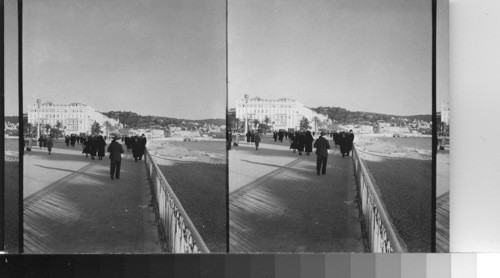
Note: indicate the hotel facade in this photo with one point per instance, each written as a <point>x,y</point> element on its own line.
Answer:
<point>283,113</point>
<point>75,118</point>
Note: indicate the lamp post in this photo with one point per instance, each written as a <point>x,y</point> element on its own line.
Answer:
<point>246,114</point>
<point>38,102</point>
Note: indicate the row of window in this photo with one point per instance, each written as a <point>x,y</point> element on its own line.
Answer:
<point>59,110</point>
<point>267,105</point>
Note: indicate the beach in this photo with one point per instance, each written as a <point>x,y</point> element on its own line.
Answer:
<point>197,172</point>
<point>401,169</point>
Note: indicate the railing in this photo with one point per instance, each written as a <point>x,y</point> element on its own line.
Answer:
<point>177,232</point>
<point>376,226</point>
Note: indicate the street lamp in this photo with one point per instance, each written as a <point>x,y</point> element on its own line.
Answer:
<point>38,102</point>
<point>246,113</point>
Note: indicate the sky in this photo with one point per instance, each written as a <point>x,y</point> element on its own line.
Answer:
<point>167,58</point>
<point>152,57</point>
<point>372,56</point>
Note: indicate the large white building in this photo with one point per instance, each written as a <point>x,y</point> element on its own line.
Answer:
<point>75,118</point>
<point>283,113</point>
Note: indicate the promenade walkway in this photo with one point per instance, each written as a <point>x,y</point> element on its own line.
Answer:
<point>443,202</point>
<point>72,206</point>
<point>277,203</point>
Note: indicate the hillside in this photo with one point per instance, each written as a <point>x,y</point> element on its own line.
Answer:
<point>342,115</point>
<point>134,120</point>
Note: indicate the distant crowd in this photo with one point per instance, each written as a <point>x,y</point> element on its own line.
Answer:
<point>300,141</point>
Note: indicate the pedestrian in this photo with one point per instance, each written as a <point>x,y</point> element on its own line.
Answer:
<point>293,142</point>
<point>257,140</point>
<point>275,136</point>
<point>344,143</point>
<point>252,136</point>
<point>142,146</point>
<point>248,135</point>
<point>86,147</point>
<point>115,149</point>
<point>101,146</point>
<point>93,146</point>
<point>50,144</point>
<point>336,138</point>
<point>29,145</point>
<point>44,141</point>
<point>66,140</point>
<point>322,147</point>
<point>281,134</point>
<point>308,140</point>
<point>300,141</point>
<point>40,142</point>
<point>73,140</point>
<point>135,145</point>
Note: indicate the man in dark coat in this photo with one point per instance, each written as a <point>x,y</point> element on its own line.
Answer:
<point>135,145</point>
<point>336,138</point>
<point>308,142</point>
<point>300,138</point>
<point>142,146</point>
<point>275,136</point>
<point>281,134</point>
<point>115,149</point>
<point>248,135</point>
<point>257,140</point>
<point>344,143</point>
<point>66,140</point>
<point>101,146</point>
<point>322,147</point>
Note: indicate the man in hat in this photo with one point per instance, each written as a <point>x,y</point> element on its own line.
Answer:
<point>115,149</point>
<point>322,147</point>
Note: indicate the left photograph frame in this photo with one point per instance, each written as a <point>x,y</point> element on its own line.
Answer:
<point>123,142</point>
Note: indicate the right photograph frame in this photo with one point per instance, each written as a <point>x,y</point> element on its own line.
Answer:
<point>330,121</point>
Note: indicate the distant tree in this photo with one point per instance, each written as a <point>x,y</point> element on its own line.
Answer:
<point>59,125</point>
<point>316,120</point>
<point>264,128</point>
<point>256,123</point>
<point>304,123</point>
<point>96,128</point>
<point>108,127</point>
<point>267,120</point>
<point>47,127</point>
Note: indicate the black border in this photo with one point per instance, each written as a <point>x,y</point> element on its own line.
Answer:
<point>227,132</point>
<point>434,129</point>
<point>2,125</point>
<point>21,124</point>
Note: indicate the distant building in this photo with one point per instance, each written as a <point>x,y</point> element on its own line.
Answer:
<point>283,113</point>
<point>74,117</point>
<point>445,113</point>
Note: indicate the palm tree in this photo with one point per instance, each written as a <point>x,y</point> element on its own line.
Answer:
<point>108,126</point>
<point>256,123</point>
<point>316,121</point>
<point>47,127</point>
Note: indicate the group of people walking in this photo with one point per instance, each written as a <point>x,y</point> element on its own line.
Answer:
<point>344,140</point>
<point>137,145</point>
<point>95,146</point>
<point>302,141</point>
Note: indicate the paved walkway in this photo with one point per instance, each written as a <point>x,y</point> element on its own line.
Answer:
<point>277,203</point>
<point>72,206</point>
<point>443,202</point>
